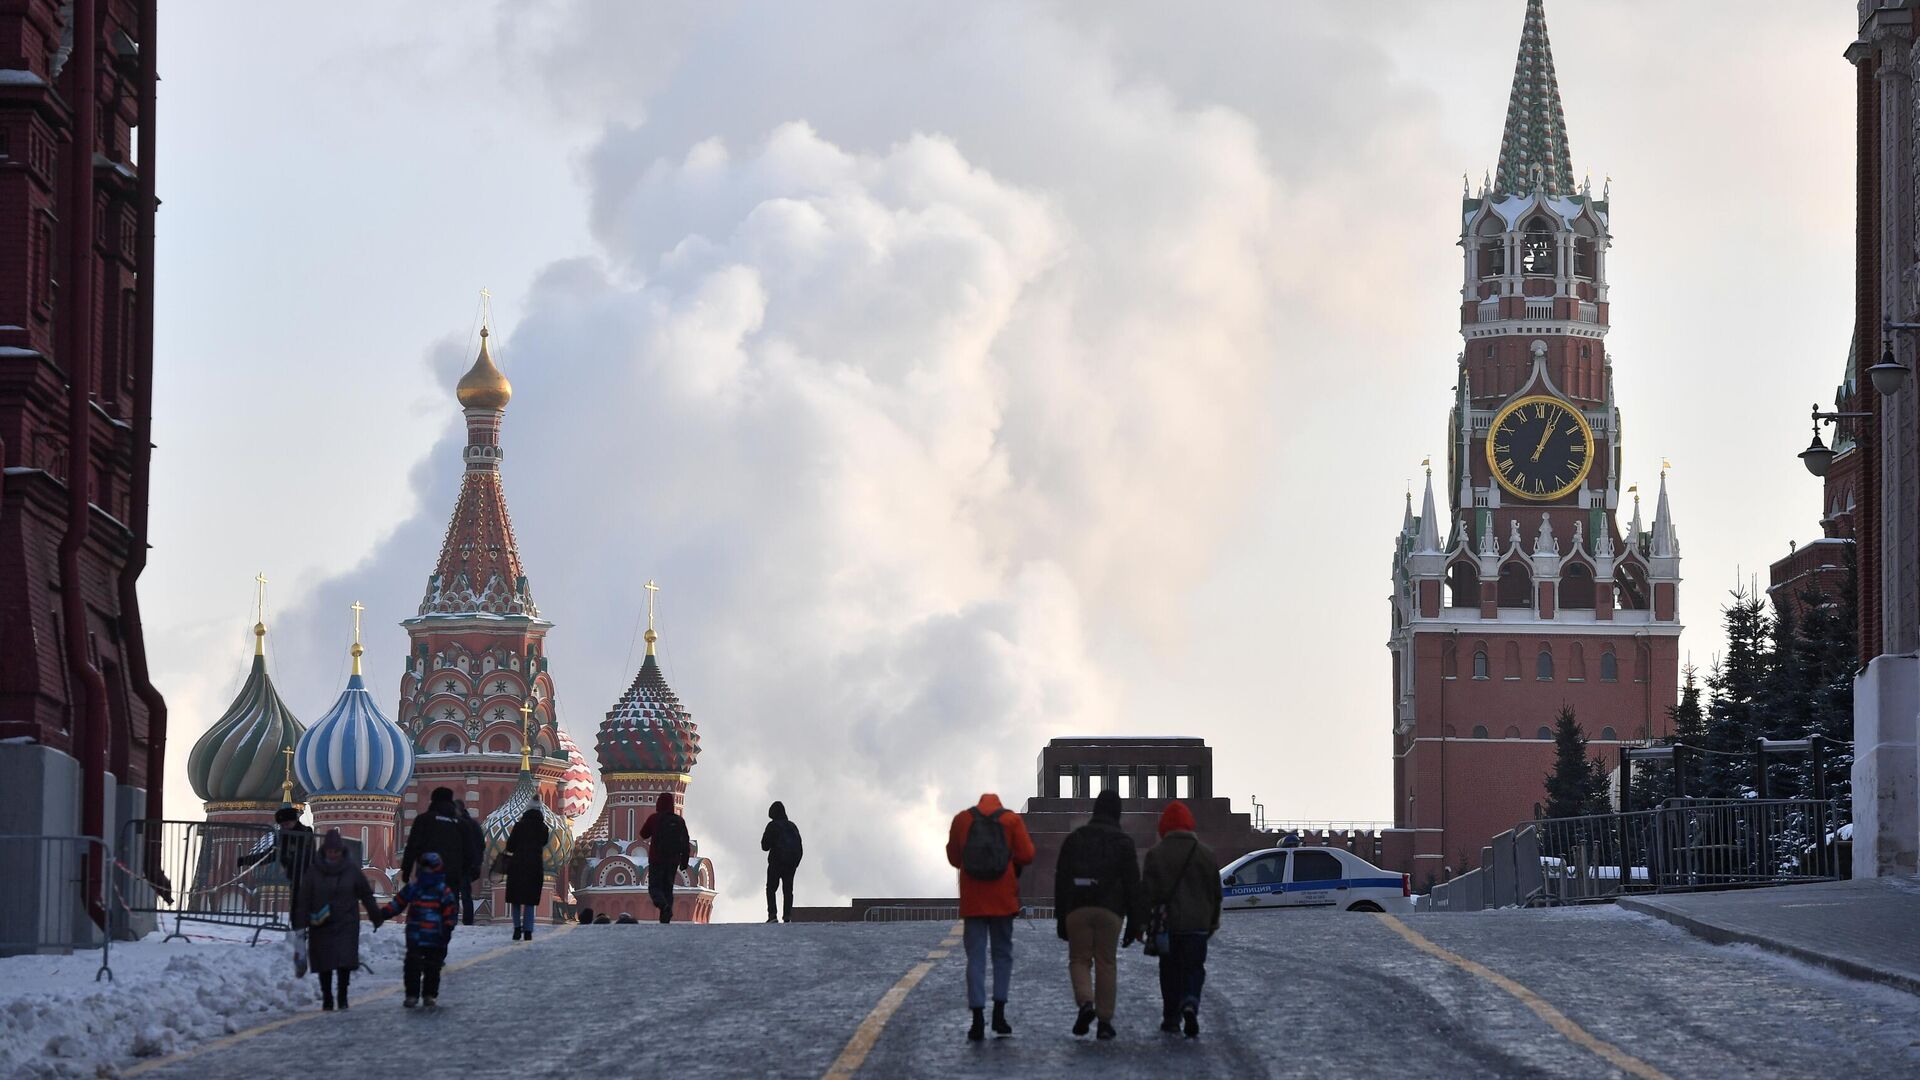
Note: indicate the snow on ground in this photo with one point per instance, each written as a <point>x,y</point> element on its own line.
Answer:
<point>56,1021</point>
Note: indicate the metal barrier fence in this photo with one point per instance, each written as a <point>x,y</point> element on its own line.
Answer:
<point>209,872</point>
<point>1687,845</point>
<point>45,894</point>
<point>887,913</point>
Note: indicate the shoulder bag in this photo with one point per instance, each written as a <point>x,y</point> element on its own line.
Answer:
<point>1158,939</point>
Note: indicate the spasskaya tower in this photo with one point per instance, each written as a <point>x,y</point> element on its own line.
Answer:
<point>1528,594</point>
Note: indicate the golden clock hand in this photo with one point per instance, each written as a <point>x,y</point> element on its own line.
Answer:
<point>1544,436</point>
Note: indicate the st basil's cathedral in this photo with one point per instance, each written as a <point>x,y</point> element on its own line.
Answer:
<point>477,714</point>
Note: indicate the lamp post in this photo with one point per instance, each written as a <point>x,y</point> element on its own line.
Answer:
<point>1890,375</point>
<point>1818,455</point>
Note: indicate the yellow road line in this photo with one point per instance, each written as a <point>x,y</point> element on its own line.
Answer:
<point>301,1017</point>
<point>868,1033</point>
<point>1555,1019</point>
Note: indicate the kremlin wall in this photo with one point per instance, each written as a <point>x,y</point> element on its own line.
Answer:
<point>477,714</point>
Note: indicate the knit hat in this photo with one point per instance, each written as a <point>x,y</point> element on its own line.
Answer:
<point>1176,818</point>
<point>333,843</point>
<point>441,794</point>
<point>431,860</point>
<point>1106,806</point>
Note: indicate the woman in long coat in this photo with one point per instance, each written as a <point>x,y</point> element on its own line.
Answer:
<point>526,850</point>
<point>323,906</point>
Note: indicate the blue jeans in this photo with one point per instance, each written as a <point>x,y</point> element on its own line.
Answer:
<point>1183,971</point>
<point>984,932</point>
<point>523,917</point>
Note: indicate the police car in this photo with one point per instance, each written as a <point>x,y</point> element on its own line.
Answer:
<point>1294,878</point>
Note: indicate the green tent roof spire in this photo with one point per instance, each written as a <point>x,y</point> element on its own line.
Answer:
<point>1533,148</point>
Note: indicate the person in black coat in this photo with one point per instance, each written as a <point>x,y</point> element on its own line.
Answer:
<point>526,853</point>
<point>438,829</point>
<point>781,842</point>
<point>1098,905</point>
<point>476,855</point>
<point>323,908</point>
<point>290,845</point>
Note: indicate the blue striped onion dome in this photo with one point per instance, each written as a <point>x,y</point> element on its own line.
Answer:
<point>354,749</point>
<point>242,757</point>
<point>500,823</point>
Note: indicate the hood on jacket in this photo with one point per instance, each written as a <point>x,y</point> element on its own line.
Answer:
<point>988,803</point>
<point>1176,818</point>
<point>532,814</point>
<point>1106,807</point>
<point>664,804</point>
<point>778,811</point>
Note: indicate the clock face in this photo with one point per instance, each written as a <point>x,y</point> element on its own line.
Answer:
<point>1540,448</point>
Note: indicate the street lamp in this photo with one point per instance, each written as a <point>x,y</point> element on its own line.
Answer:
<point>1890,375</point>
<point>1818,455</point>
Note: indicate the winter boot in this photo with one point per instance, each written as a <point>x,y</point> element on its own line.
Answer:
<point>345,974</point>
<point>1170,1023</point>
<point>979,1029</point>
<point>516,933</point>
<point>1106,1030</point>
<point>1000,1025</point>
<point>1190,1020</point>
<point>410,1002</point>
<point>430,1002</point>
<point>1084,1022</point>
<point>326,1004</point>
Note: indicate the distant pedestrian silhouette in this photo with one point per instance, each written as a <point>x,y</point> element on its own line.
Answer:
<point>781,841</point>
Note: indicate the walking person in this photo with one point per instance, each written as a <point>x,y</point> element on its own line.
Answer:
<point>781,841</point>
<point>432,912</point>
<point>476,853</point>
<point>438,829</point>
<point>669,851</point>
<point>1097,908</point>
<point>526,852</point>
<point>1182,874</point>
<point>324,908</point>
<point>989,845</point>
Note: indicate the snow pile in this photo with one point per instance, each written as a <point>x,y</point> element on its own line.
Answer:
<point>55,1021</point>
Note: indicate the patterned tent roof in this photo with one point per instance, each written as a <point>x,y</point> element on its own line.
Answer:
<point>500,823</point>
<point>647,730</point>
<point>241,758</point>
<point>354,749</point>
<point>1536,131</point>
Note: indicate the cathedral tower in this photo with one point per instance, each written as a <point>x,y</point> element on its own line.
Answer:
<point>1528,595</point>
<point>242,767</point>
<point>478,644</point>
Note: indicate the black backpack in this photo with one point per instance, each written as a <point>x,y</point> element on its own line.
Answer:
<point>786,844</point>
<point>673,841</point>
<point>986,853</point>
<point>1086,862</point>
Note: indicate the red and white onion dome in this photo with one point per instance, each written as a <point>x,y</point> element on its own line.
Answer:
<point>576,785</point>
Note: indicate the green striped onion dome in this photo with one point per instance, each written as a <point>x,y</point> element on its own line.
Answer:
<point>499,824</point>
<point>242,758</point>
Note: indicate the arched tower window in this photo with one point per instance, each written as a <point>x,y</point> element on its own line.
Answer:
<point>1583,258</point>
<point>1537,249</point>
<point>1513,660</point>
<point>1545,734</point>
<point>1543,664</point>
<point>1480,664</point>
<point>450,744</point>
<point>1479,731</point>
<point>1463,584</point>
<point>1516,586</point>
<point>1607,734</point>
<point>1576,587</point>
<point>1512,732</point>
<point>499,744</point>
<point>1630,588</point>
<point>1609,666</point>
<point>1493,257</point>
<point>1576,661</point>
<point>1450,660</point>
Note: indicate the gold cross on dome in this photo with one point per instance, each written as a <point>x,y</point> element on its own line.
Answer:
<point>260,595</point>
<point>526,734</point>
<point>651,590</point>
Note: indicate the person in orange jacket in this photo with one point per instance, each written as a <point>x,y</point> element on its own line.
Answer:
<point>989,845</point>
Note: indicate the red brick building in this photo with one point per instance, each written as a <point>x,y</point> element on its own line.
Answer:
<point>1527,595</point>
<point>82,729</point>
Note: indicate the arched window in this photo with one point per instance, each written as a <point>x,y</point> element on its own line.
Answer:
<point>450,744</point>
<point>1583,258</point>
<point>499,744</point>
<point>1516,586</point>
<point>1607,735</point>
<point>1463,585</point>
<point>1480,664</point>
<point>1609,666</point>
<point>1576,587</point>
<point>1479,731</point>
<point>1538,249</point>
<point>1512,732</point>
<point>1576,662</point>
<point>1449,660</point>
<point>1545,734</point>
<point>1493,257</point>
<point>1543,664</point>
<point>1630,588</point>
<point>1513,660</point>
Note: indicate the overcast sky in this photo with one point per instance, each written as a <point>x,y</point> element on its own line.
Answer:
<point>967,375</point>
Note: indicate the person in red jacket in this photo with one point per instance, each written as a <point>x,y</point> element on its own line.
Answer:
<point>669,851</point>
<point>989,845</point>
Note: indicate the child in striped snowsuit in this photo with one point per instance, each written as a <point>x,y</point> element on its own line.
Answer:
<point>432,912</point>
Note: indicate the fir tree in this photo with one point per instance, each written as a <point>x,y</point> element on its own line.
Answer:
<point>1654,784</point>
<point>1577,786</point>
<point>1741,683</point>
<point>1811,692</point>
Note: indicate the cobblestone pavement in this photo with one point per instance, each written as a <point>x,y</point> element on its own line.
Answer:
<point>1308,994</point>
<point>1868,929</point>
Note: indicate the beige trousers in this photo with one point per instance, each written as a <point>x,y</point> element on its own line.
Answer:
<point>1093,933</point>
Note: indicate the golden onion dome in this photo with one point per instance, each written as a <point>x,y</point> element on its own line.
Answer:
<point>483,386</point>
